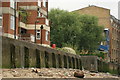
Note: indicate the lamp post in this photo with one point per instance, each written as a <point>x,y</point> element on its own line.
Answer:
<point>41,33</point>
<point>15,3</point>
<point>35,29</point>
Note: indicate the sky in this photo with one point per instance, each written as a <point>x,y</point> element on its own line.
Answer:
<point>72,5</point>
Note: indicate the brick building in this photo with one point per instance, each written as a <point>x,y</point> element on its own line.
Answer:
<point>111,30</point>
<point>115,44</point>
<point>26,21</point>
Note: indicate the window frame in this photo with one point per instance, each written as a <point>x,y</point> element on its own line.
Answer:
<point>1,18</point>
<point>47,35</point>
<point>39,3</point>
<point>39,14</point>
<point>44,3</point>
<point>12,5</point>
<point>47,22</point>
<point>38,31</point>
<point>12,22</point>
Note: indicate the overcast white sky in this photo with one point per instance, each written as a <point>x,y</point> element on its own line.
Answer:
<point>72,5</point>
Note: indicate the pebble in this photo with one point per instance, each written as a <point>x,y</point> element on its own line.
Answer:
<point>51,73</point>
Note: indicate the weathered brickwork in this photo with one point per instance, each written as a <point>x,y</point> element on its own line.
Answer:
<point>115,52</point>
<point>102,14</point>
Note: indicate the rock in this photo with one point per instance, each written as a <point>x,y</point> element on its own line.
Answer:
<point>52,73</point>
<point>36,71</point>
<point>92,74</point>
<point>79,74</point>
<point>16,75</point>
<point>40,74</point>
<point>14,71</point>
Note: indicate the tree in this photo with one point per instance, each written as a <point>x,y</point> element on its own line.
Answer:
<point>91,33</point>
<point>64,27</point>
<point>81,31</point>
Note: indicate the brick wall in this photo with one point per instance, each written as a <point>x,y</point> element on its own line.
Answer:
<point>115,52</point>
<point>102,14</point>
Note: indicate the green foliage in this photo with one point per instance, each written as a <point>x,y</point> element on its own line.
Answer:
<point>74,47</point>
<point>91,34</point>
<point>81,31</point>
<point>95,54</point>
<point>24,15</point>
<point>67,49</point>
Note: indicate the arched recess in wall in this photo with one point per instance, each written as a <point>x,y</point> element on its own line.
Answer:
<point>65,61</point>
<point>73,61</point>
<point>12,56</point>
<point>77,63</point>
<point>46,59</point>
<point>26,57</point>
<point>80,64</point>
<point>59,61</point>
<point>53,60</point>
<point>69,60</point>
<point>38,63</point>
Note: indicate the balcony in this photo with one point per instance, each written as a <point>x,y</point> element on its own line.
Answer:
<point>43,20</point>
<point>27,37</point>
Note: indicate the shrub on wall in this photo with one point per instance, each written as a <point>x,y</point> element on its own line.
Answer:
<point>23,14</point>
<point>101,54</point>
<point>67,49</point>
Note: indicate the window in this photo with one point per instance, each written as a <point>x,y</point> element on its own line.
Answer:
<point>39,14</point>
<point>12,22</point>
<point>46,35</point>
<point>111,20</point>
<point>23,31</point>
<point>47,22</point>
<point>39,3</point>
<point>44,3</point>
<point>38,34</point>
<point>12,3</point>
<point>0,21</point>
<point>114,25</point>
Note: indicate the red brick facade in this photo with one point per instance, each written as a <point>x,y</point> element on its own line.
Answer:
<point>26,30</point>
